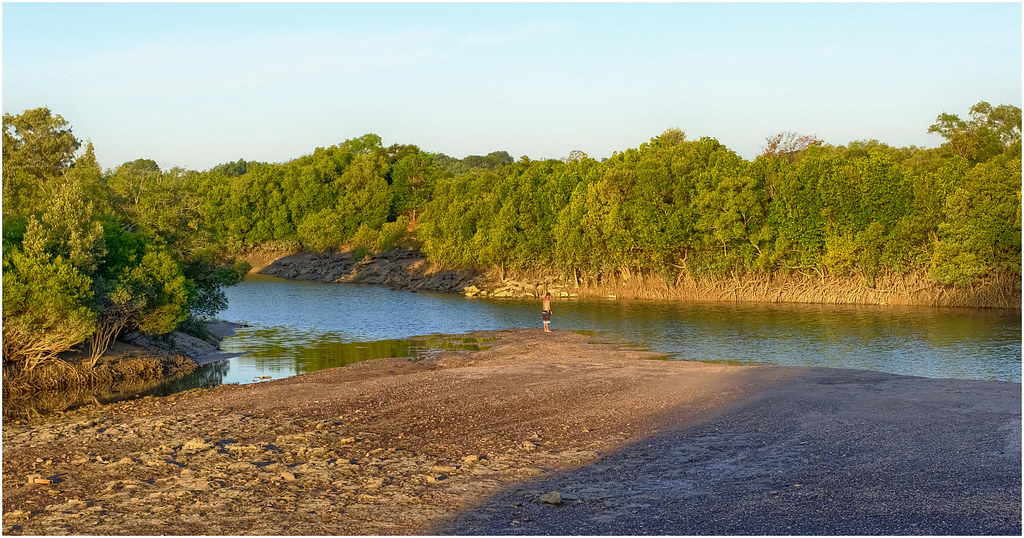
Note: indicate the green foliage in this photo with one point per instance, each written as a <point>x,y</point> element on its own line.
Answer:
<point>234,169</point>
<point>141,286</point>
<point>159,292</point>
<point>492,160</point>
<point>209,275</point>
<point>88,176</point>
<point>450,165</point>
<point>392,234</point>
<point>14,233</point>
<point>412,177</point>
<point>365,238</point>
<point>38,147</point>
<point>46,307</point>
<point>674,206</point>
<point>982,230</point>
<point>732,217</point>
<point>990,131</point>
<point>88,254</point>
<point>365,197</point>
<point>322,230</point>
<point>360,253</point>
<point>67,228</point>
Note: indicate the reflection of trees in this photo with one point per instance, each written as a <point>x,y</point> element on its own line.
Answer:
<point>909,340</point>
<point>281,352</point>
<point>39,404</point>
<point>206,376</point>
<point>323,351</point>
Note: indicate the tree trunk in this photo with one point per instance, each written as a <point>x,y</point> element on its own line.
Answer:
<point>108,326</point>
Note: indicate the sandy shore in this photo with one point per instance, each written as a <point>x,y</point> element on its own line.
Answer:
<point>467,443</point>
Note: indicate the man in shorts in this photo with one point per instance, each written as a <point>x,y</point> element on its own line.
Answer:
<point>546,312</point>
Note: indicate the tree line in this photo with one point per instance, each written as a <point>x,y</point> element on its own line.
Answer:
<point>89,253</point>
<point>672,207</point>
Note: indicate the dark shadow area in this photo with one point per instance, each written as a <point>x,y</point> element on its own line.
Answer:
<point>833,452</point>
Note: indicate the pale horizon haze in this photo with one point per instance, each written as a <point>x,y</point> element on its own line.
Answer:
<point>199,84</point>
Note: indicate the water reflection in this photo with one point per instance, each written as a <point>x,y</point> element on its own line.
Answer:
<point>297,327</point>
<point>43,403</point>
<point>206,376</point>
<point>275,352</point>
<point>930,342</point>
<point>209,375</point>
<point>271,353</point>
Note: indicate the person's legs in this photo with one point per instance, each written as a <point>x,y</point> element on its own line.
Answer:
<point>546,329</point>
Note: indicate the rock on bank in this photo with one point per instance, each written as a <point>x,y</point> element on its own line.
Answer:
<point>403,269</point>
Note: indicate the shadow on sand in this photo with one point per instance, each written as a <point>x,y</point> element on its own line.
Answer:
<point>830,452</point>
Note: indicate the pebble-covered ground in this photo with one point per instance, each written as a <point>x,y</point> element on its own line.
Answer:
<point>238,473</point>
<point>535,433</point>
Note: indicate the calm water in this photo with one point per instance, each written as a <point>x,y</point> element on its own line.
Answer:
<point>295,327</point>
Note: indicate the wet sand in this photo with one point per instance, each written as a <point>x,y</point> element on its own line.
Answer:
<point>466,443</point>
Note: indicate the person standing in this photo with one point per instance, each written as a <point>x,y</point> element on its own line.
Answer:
<point>546,311</point>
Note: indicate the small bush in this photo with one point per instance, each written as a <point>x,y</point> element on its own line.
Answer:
<point>392,233</point>
<point>360,252</point>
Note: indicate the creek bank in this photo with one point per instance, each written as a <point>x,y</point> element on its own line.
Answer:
<point>468,443</point>
<point>200,350</point>
<point>133,364</point>
<point>406,270</point>
<point>411,270</point>
<point>400,269</point>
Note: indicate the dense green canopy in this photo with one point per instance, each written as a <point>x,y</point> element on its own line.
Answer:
<point>88,253</point>
<point>670,206</point>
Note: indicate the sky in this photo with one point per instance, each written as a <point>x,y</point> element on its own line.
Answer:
<point>199,84</point>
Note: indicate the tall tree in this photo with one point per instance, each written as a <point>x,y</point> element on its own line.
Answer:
<point>989,131</point>
<point>38,147</point>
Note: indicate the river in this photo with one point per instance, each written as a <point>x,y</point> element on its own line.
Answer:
<point>294,327</point>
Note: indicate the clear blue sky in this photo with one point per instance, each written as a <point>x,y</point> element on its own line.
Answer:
<point>195,85</point>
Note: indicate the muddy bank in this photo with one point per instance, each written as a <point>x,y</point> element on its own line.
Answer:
<point>409,269</point>
<point>466,443</point>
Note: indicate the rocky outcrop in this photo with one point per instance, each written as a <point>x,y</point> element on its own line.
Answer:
<point>401,269</point>
<point>514,288</point>
<point>409,270</point>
